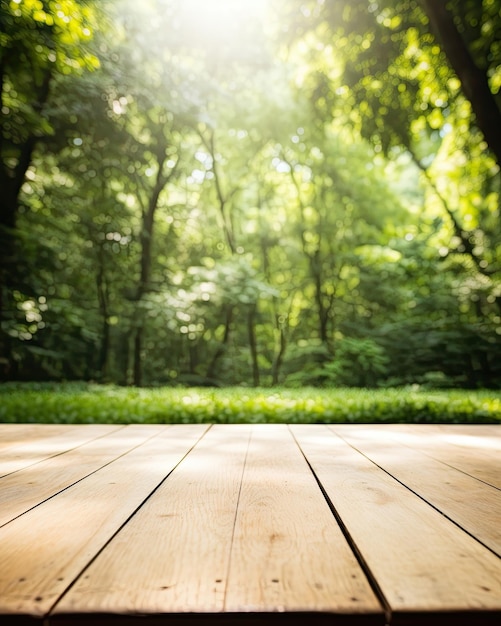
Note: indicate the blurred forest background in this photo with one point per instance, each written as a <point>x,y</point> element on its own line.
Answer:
<point>258,192</point>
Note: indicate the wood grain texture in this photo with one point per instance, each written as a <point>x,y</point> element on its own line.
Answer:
<point>288,552</point>
<point>472,449</point>
<point>190,524</point>
<point>44,550</point>
<point>173,555</point>
<point>470,503</point>
<point>29,450</point>
<point>422,562</point>
<point>15,434</point>
<point>32,485</point>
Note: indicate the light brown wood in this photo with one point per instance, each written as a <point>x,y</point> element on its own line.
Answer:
<point>191,524</point>
<point>43,551</point>
<point>288,552</point>
<point>28,487</point>
<point>488,432</point>
<point>31,450</point>
<point>15,434</point>
<point>173,555</point>
<point>470,503</point>
<point>472,449</point>
<point>422,562</point>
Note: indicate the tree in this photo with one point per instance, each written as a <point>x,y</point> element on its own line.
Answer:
<point>474,79</point>
<point>321,213</point>
<point>403,95</point>
<point>39,42</point>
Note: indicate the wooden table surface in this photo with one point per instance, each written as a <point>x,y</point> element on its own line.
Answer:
<point>241,524</point>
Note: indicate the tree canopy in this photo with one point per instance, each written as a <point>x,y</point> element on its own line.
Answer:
<point>276,192</point>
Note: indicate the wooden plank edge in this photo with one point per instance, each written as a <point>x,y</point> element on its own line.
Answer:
<point>21,620</point>
<point>216,619</point>
<point>361,560</point>
<point>440,618</point>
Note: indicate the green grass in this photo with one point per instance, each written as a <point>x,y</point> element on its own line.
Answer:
<point>78,403</point>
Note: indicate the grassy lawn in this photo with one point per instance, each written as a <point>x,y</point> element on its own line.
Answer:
<point>87,403</point>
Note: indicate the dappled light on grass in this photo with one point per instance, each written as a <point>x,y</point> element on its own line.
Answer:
<point>80,403</point>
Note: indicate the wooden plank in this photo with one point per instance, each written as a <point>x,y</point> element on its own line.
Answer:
<point>422,562</point>
<point>15,434</point>
<point>289,554</point>
<point>173,555</point>
<point>32,450</point>
<point>473,449</point>
<point>32,485</point>
<point>489,432</point>
<point>44,550</point>
<point>470,503</point>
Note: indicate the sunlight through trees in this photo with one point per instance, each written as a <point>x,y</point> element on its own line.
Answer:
<point>251,193</point>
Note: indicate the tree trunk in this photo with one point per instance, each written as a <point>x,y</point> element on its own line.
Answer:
<point>223,346</point>
<point>223,198</point>
<point>251,331</point>
<point>473,80</point>
<point>279,358</point>
<point>11,182</point>
<point>103,300</point>
<point>147,226</point>
<point>322,311</point>
<point>146,239</point>
<point>137,372</point>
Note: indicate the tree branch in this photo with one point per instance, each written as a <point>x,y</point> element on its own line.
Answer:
<point>474,81</point>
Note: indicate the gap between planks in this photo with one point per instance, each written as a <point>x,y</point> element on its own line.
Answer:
<point>261,538</point>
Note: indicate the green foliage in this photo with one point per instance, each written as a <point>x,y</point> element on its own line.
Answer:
<point>77,403</point>
<point>357,363</point>
<point>308,202</point>
<point>38,42</point>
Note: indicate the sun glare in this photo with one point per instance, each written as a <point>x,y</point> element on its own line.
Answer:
<point>222,21</point>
